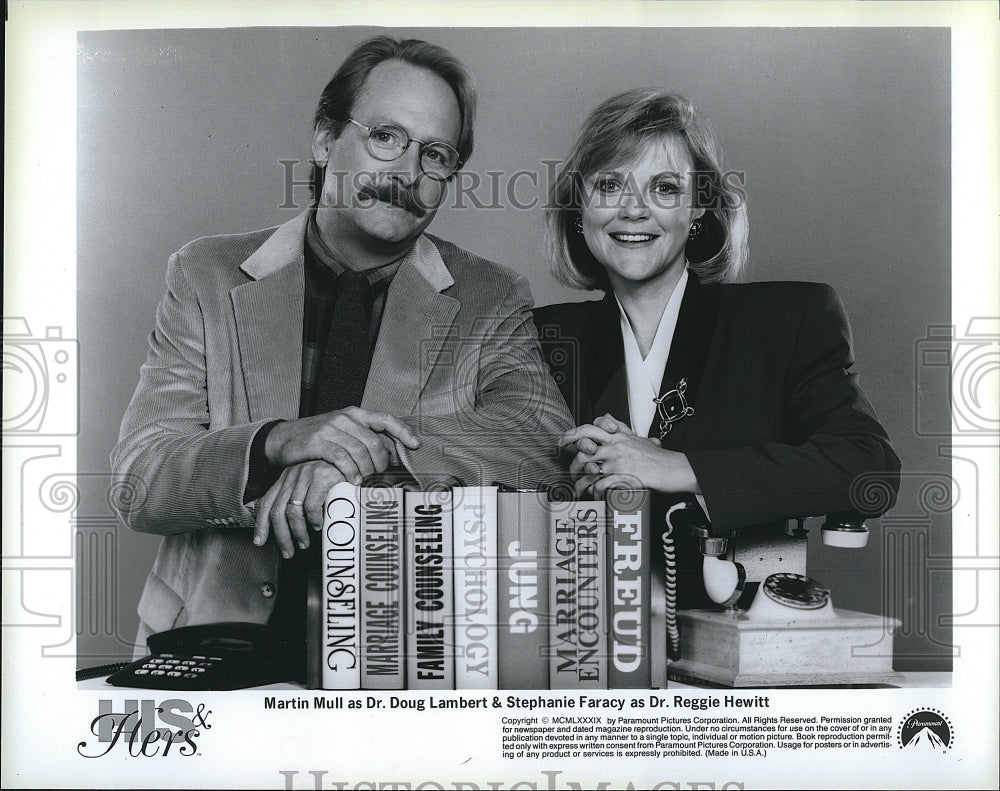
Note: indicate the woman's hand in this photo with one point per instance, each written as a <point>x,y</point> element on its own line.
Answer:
<point>609,454</point>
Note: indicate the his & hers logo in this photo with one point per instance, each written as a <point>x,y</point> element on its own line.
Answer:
<point>134,724</point>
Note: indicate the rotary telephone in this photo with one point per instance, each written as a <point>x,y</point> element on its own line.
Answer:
<point>772,624</point>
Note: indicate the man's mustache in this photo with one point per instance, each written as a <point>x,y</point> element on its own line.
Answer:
<point>396,194</point>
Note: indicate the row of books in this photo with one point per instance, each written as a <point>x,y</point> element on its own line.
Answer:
<point>461,587</point>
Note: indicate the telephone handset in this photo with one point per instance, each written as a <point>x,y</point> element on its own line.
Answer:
<point>211,656</point>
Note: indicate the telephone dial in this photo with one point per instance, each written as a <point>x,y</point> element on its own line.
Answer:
<point>772,625</point>
<point>212,656</point>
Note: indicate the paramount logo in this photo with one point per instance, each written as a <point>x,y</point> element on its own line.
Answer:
<point>926,729</point>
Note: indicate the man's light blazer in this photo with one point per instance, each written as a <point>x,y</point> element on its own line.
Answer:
<point>457,358</point>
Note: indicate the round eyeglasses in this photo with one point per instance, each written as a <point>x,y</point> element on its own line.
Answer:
<point>388,142</point>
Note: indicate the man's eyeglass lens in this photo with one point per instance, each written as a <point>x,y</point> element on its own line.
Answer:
<point>388,142</point>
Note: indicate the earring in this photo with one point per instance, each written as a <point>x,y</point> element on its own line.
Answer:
<point>696,229</point>
<point>578,224</point>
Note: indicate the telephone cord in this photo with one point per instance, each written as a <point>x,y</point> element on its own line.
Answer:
<point>670,593</point>
<point>87,673</point>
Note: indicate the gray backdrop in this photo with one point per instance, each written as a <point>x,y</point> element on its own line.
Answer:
<point>843,134</point>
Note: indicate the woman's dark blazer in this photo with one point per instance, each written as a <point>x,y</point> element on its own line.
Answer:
<point>780,427</point>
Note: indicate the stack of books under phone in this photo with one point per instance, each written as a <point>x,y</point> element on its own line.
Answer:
<point>482,587</point>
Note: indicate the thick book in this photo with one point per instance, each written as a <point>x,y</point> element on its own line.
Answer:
<point>628,567</point>
<point>340,594</point>
<point>428,536</point>
<point>523,579</point>
<point>474,517</point>
<point>382,582</point>
<point>578,638</point>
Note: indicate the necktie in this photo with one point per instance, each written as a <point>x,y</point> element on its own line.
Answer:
<point>347,358</point>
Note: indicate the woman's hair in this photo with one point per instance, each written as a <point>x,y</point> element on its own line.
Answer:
<point>619,130</point>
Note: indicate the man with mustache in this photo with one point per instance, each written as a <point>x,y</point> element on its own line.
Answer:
<point>336,345</point>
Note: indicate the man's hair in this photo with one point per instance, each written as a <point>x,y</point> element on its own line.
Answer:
<point>620,129</point>
<point>337,100</point>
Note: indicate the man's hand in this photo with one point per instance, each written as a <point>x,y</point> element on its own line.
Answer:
<point>355,441</point>
<point>294,504</point>
<point>609,453</point>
